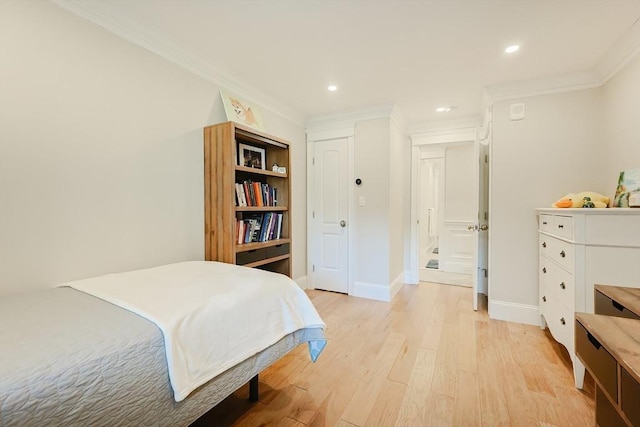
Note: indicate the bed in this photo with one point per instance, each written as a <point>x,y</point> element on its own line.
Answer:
<point>68,357</point>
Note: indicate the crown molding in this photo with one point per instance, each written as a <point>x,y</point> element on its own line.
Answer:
<point>190,61</point>
<point>450,136</point>
<point>349,118</point>
<point>399,119</point>
<point>544,86</point>
<point>626,48</point>
<point>444,127</point>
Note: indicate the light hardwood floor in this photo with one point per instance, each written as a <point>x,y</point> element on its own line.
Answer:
<point>425,359</point>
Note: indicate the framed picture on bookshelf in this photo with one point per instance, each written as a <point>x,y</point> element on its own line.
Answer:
<point>251,157</point>
<point>240,111</point>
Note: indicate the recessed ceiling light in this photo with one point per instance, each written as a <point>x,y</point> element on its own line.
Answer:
<point>443,109</point>
<point>512,48</point>
<point>332,88</point>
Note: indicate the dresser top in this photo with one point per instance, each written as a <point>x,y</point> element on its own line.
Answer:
<point>590,211</point>
<point>620,336</point>
<point>628,297</point>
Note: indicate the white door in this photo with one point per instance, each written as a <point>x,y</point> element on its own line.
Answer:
<point>480,233</point>
<point>329,217</point>
<point>483,235</point>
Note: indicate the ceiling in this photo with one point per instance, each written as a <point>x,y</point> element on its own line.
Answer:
<point>416,55</point>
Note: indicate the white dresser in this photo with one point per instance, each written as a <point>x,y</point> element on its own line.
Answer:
<point>579,248</point>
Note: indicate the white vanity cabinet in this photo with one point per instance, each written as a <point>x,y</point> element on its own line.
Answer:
<point>578,248</point>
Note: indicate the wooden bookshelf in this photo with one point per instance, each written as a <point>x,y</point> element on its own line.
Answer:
<point>222,143</point>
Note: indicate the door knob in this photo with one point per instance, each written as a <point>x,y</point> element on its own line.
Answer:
<point>343,223</point>
<point>484,227</point>
<point>471,227</point>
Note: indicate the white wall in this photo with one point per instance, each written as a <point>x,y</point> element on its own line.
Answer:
<point>555,150</point>
<point>406,205</point>
<point>398,200</point>
<point>101,166</point>
<point>621,122</point>
<point>371,165</point>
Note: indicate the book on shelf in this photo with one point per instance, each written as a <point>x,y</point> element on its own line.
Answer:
<point>259,227</point>
<point>279,226</point>
<point>250,193</point>
<point>241,200</point>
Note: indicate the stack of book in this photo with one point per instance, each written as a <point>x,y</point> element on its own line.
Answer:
<point>249,193</point>
<point>259,227</point>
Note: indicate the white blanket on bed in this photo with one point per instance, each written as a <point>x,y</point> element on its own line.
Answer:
<point>213,315</point>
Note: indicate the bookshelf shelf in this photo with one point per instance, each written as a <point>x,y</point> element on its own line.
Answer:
<point>260,172</point>
<point>258,245</point>
<point>261,208</point>
<point>268,261</point>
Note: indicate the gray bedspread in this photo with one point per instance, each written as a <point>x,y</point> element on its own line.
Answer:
<point>70,359</point>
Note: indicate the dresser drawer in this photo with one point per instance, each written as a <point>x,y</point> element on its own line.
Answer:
<point>546,223</point>
<point>561,252</point>
<point>623,230</point>
<point>545,298</point>
<point>560,322</point>
<point>563,226</point>
<point>605,305</point>
<point>597,360</point>
<point>248,257</point>
<point>559,282</point>
<point>630,397</point>
<point>543,245</point>
<point>277,250</point>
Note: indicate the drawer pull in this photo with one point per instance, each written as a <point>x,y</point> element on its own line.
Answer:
<point>562,254</point>
<point>617,305</point>
<point>544,298</point>
<point>562,285</point>
<point>544,244</point>
<point>544,269</point>
<point>560,226</point>
<point>594,341</point>
<point>563,321</point>
<point>544,222</point>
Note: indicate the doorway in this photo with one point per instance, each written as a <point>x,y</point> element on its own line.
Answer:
<point>462,233</point>
<point>445,253</point>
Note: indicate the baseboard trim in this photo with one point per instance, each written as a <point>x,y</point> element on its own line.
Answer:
<point>301,281</point>
<point>371,291</point>
<point>514,312</point>
<point>396,285</point>
<point>411,278</point>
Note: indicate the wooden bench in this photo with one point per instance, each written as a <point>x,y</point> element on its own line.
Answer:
<point>608,343</point>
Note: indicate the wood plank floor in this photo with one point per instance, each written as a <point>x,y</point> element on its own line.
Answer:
<point>425,359</point>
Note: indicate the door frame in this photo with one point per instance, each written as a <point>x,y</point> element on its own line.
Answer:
<point>312,138</point>
<point>485,135</point>
<point>452,136</point>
